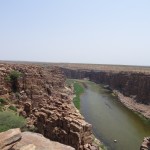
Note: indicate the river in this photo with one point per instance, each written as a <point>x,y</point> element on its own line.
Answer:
<point>111,120</point>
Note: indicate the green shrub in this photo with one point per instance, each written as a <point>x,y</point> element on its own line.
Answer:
<point>2,101</point>
<point>10,120</point>
<point>14,75</point>
<point>13,108</point>
<point>13,78</point>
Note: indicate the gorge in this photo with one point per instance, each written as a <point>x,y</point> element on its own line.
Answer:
<point>42,97</point>
<point>131,86</point>
<point>110,119</point>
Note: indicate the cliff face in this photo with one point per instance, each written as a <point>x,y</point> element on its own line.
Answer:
<point>135,85</point>
<point>46,103</point>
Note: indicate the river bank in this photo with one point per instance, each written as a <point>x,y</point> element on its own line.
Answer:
<point>130,103</point>
<point>78,88</point>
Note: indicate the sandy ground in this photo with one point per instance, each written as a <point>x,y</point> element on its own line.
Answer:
<point>133,105</point>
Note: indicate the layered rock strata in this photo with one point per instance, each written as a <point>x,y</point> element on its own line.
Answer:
<point>46,103</point>
<point>132,88</point>
<point>132,84</point>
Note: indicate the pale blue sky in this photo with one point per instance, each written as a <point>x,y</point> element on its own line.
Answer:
<point>81,31</point>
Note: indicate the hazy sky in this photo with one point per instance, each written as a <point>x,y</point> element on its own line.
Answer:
<point>82,31</point>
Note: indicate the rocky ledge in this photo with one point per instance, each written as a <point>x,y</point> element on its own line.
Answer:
<point>13,139</point>
<point>41,97</point>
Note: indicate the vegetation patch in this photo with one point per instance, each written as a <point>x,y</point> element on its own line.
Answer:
<point>9,120</point>
<point>3,101</point>
<point>78,89</point>
<point>13,79</point>
<point>99,144</point>
<point>13,108</point>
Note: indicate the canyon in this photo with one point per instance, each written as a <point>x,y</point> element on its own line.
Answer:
<point>132,88</point>
<point>42,97</point>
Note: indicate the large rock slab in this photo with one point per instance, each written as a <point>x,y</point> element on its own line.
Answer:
<point>9,138</point>
<point>35,141</point>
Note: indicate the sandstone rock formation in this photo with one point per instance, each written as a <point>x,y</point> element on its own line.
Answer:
<point>15,140</point>
<point>146,144</point>
<point>46,103</point>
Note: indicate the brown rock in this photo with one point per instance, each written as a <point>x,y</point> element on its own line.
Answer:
<point>35,141</point>
<point>27,108</point>
<point>23,113</point>
<point>146,144</point>
<point>8,138</point>
<point>46,103</point>
<point>28,147</point>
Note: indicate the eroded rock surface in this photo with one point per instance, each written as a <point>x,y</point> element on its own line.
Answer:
<point>146,144</point>
<point>35,141</point>
<point>9,138</point>
<point>13,139</point>
<point>46,103</point>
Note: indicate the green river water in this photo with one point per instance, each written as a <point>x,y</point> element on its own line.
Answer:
<point>111,120</point>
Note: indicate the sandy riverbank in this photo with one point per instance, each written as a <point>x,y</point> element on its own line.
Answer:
<point>133,105</point>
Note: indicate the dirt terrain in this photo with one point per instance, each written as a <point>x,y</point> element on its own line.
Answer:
<point>110,68</point>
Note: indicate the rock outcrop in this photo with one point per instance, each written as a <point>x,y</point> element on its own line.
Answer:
<point>146,144</point>
<point>9,138</point>
<point>46,103</point>
<point>13,139</point>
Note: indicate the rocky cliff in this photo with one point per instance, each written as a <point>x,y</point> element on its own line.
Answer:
<point>40,95</point>
<point>131,84</point>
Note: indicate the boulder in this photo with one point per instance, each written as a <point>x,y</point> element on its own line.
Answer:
<point>27,108</point>
<point>35,141</point>
<point>146,144</point>
<point>8,138</point>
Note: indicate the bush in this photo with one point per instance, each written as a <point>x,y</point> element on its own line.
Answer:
<point>9,120</point>
<point>2,101</point>
<point>14,75</point>
<point>13,108</point>
<point>13,78</point>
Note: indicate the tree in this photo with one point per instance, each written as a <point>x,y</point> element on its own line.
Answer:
<point>13,78</point>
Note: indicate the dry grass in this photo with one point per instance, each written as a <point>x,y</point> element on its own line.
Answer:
<point>113,68</point>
